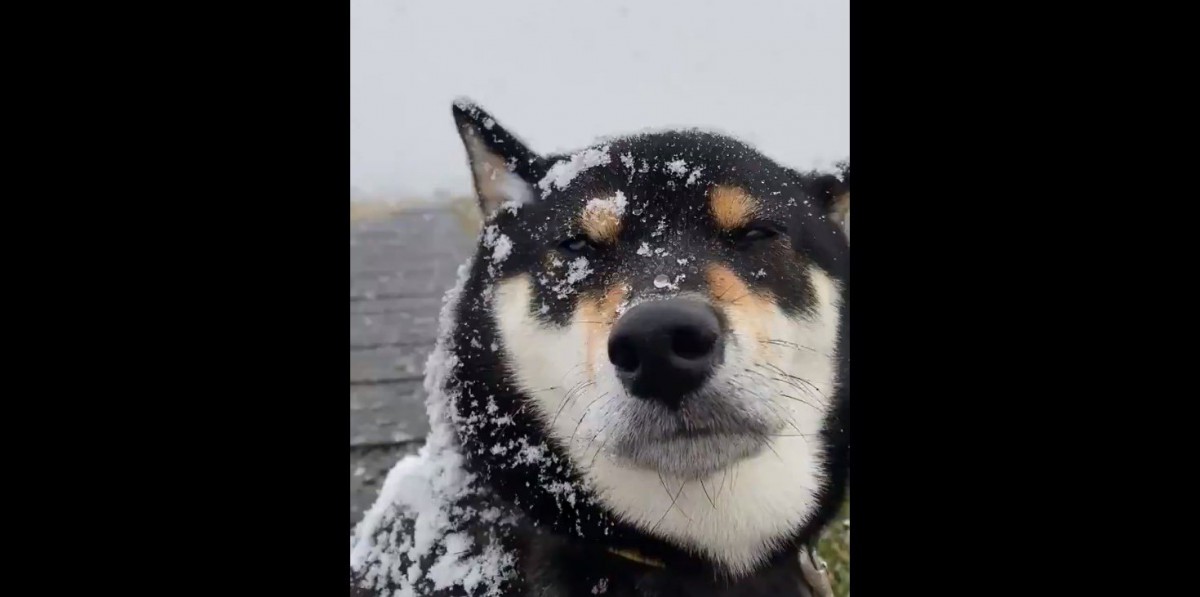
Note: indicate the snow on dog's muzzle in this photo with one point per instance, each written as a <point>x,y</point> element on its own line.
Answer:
<point>664,350</point>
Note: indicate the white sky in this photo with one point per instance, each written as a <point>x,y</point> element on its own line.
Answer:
<point>560,73</point>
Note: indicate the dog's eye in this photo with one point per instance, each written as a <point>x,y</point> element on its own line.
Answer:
<point>576,245</point>
<point>758,234</point>
<point>755,233</point>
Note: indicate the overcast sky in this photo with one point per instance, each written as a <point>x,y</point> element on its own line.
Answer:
<point>561,73</point>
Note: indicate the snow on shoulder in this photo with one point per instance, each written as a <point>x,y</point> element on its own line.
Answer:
<point>412,540</point>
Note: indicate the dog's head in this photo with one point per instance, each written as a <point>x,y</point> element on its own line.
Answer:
<point>667,311</point>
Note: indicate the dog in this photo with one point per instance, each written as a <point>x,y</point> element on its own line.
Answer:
<point>642,382</point>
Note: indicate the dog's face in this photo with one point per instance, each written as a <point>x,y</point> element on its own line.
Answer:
<point>670,308</point>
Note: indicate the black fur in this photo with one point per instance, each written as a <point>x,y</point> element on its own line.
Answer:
<point>564,548</point>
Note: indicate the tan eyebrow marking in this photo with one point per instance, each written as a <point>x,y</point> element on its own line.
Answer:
<point>732,207</point>
<point>601,220</point>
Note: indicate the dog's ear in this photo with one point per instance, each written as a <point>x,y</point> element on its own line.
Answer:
<point>503,168</point>
<point>832,193</point>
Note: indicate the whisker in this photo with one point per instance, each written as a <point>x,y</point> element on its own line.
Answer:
<point>787,344</point>
<point>801,400</point>
<point>728,287</point>
<point>742,297</point>
<point>600,430</point>
<point>570,370</point>
<point>776,408</point>
<point>796,378</point>
<point>790,382</point>
<point>571,394</point>
<point>598,450</point>
<point>772,449</point>
<point>664,516</point>
<point>582,416</point>
<point>724,476</point>
<point>710,500</point>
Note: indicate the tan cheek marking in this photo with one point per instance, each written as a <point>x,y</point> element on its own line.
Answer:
<point>841,207</point>
<point>598,316</point>
<point>601,225</point>
<point>750,313</point>
<point>732,207</point>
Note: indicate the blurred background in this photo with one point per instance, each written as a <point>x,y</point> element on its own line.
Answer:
<point>558,74</point>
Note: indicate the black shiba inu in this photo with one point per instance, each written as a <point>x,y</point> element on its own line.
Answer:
<point>647,372</point>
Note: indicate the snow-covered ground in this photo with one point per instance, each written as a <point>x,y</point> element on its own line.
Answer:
<point>560,73</point>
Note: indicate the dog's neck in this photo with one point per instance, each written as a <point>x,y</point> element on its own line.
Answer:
<point>560,565</point>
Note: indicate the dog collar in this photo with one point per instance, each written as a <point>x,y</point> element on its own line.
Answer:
<point>634,556</point>
<point>811,566</point>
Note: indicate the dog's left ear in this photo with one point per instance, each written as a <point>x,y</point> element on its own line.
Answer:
<point>503,168</point>
<point>833,195</point>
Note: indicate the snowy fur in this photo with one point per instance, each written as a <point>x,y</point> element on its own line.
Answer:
<point>407,541</point>
<point>563,172</point>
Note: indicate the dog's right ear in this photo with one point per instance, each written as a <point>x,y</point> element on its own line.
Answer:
<point>503,168</point>
<point>833,193</point>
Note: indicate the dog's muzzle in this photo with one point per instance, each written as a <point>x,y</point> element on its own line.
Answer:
<point>664,350</point>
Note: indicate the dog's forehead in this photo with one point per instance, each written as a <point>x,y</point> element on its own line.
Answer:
<point>670,174</point>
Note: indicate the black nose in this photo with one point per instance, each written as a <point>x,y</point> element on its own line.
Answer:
<point>664,349</point>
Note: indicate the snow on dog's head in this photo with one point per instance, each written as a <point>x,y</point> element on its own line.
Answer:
<point>651,340</point>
